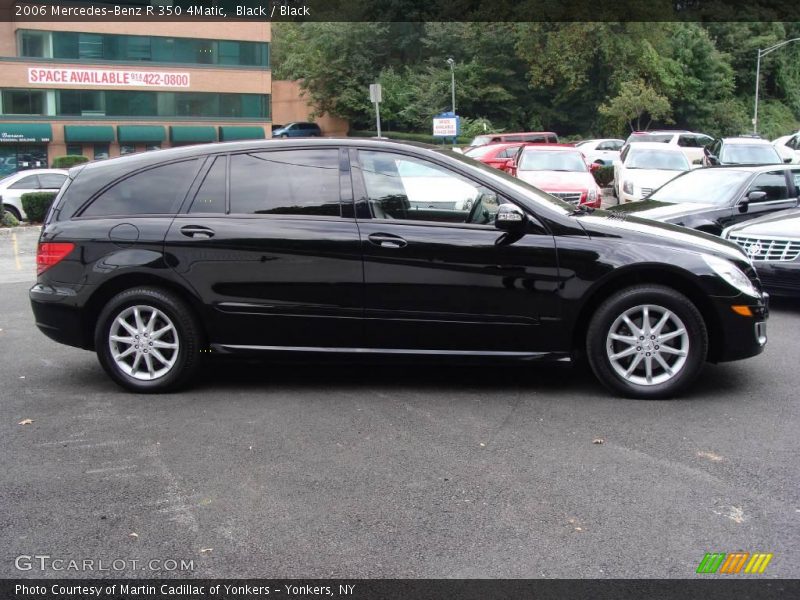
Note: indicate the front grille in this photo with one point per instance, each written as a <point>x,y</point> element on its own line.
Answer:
<point>772,249</point>
<point>573,197</point>
<point>646,192</point>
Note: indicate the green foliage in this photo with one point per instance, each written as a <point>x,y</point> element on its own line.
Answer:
<point>584,79</point>
<point>36,205</point>
<point>70,160</point>
<point>8,220</point>
<point>604,175</point>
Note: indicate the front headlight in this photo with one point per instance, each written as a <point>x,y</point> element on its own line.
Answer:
<point>627,187</point>
<point>732,274</point>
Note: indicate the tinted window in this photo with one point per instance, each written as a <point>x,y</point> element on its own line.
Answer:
<point>291,182</point>
<point>773,183</point>
<point>795,175</point>
<point>402,187</point>
<point>688,141</point>
<point>26,183</point>
<point>51,181</point>
<point>156,191</point>
<point>210,197</point>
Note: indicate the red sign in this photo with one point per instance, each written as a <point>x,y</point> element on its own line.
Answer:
<point>107,77</point>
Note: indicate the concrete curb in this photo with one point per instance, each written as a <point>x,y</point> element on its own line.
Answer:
<point>6,231</point>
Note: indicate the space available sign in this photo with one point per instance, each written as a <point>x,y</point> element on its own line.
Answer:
<point>446,125</point>
<point>107,77</point>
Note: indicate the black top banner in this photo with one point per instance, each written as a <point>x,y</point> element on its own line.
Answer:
<point>711,588</point>
<point>402,10</point>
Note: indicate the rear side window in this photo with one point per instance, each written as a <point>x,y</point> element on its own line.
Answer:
<point>290,182</point>
<point>51,181</point>
<point>156,191</point>
<point>210,197</point>
<point>26,183</point>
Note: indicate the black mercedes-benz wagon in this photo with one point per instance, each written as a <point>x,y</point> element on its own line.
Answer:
<point>157,260</point>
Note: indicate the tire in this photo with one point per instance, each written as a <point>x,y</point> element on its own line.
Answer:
<point>11,209</point>
<point>173,358</point>
<point>612,359</point>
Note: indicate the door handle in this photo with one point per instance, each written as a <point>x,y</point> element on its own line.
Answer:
<point>197,231</point>
<point>387,240</point>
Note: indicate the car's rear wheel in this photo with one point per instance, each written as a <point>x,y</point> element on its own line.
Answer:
<point>647,341</point>
<point>13,211</point>
<point>148,340</point>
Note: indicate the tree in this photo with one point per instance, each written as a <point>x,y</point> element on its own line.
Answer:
<point>636,106</point>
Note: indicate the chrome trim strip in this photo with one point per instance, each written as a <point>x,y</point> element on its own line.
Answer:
<point>500,353</point>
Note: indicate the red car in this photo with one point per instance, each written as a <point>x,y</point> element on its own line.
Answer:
<point>560,170</point>
<point>494,155</point>
<point>534,137</point>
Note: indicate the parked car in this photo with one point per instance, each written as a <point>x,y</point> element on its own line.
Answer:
<point>603,152</point>
<point>560,171</point>
<point>645,166</point>
<point>532,137</point>
<point>744,150</point>
<point>298,129</point>
<point>494,155</point>
<point>690,143</point>
<point>31,180</point>
<point>157,260</point>
<point>773,244</point>
<point>788,147</point>
<point>710,199</point>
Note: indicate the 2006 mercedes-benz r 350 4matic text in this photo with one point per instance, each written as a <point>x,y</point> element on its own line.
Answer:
<point>371,246</point>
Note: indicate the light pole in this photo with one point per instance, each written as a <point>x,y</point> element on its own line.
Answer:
<point>452,64</point>
<point>762,53</point>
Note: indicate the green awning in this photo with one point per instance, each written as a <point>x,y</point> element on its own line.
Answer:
<point>25,132</point>
<point>88,133</point>
<point>229,134</point>
<point>140,133</point>
<point>180,134</point>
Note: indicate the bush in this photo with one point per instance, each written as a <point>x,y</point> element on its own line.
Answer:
<point>36,205</point>
<point>8,220</point>
<point>70,160</point>
<point>604,175</point>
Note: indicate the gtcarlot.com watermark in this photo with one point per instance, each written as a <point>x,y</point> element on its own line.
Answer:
<point>45,562</point>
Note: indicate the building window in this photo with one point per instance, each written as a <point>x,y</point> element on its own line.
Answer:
<point>86,103</point>
<point>23,102</point>
<point>75,149</point>
<point>101,151</point>
<point>33,44</point>
<point>151,147</point>
<point>126,149</point>
<point>99,46</point>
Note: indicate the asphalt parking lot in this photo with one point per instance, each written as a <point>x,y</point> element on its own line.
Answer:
<point>353,469</point>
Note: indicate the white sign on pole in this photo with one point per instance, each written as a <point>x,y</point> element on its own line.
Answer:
<point>375,93</point>
<point>445,127</point>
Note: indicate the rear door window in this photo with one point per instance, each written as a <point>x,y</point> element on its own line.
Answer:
<point>26,183</point>
<point>51,181</point>
<point>289,182</point>
<point>155,191</point>
<point>773,183</point>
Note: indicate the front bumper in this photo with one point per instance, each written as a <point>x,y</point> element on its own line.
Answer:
<point>780,278</point>
<point>741,336</point>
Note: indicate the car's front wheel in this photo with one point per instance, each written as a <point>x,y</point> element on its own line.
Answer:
<point>647,341</point>
<point>148,340</point>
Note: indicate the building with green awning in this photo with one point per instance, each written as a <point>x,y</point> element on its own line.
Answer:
<point>187,134</point>
<point>25,133</point>
<point>77,134</point>
<point>131,134</point>
<point>233,133</point>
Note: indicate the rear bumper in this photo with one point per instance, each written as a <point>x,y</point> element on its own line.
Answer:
<point>742,337</point>
<point>58,317</point>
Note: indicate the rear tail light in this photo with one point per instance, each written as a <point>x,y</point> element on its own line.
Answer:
<point>51,253</point>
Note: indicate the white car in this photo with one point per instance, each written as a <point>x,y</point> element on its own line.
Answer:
<point>646,166</point>
<point>603,152</point>
<point>22,182</point>
<point>788,146</point>
<point>689,142</point>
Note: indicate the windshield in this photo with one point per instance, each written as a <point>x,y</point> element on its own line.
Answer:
<point>536,196</point>
<point>481,140</point>
<point>657,159</point>
<point>704,186</point>
<point>749,154</point>
<point>649,137</point>
<point>480,151</point>
<point>551,161</point>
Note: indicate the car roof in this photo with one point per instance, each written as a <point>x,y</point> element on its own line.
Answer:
<point>654,146</point>
<point>745,140</point>
<point>551,148</point>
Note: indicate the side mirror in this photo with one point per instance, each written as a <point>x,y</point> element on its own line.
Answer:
<point>509,218</point>
<point>756,196</point>
<point>594,167</point>
<point>788,161</point>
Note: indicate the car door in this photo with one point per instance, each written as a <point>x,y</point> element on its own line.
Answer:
<point>269,243</point>
<point>781,193</point>
<point>13,193</point>
<point>438,275</point>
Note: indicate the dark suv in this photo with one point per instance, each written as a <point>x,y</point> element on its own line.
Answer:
<point>366,246</point>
